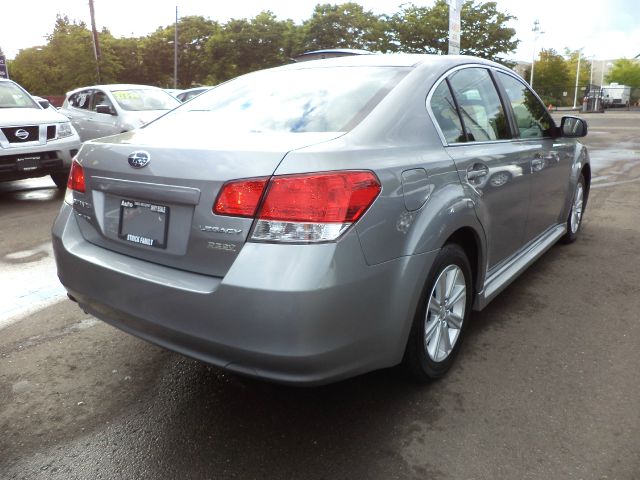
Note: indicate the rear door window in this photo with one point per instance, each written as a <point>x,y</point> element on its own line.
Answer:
<point>480,107</point>
<point>81,100</point>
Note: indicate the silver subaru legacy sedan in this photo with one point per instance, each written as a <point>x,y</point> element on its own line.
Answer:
<point>319,220</point>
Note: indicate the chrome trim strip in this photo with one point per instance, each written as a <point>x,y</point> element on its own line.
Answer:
<point>150,191</point>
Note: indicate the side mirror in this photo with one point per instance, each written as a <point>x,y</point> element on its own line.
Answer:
<point>573,127</point>
<point>44,103</point>
<point>105,109</point>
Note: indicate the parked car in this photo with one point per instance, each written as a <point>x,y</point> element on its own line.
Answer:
<point>44,103</point>
<point>35,140</point>
<point>319,220</point>
<point>173,91</point>
<point>104,110</point>
<point>190,93</point>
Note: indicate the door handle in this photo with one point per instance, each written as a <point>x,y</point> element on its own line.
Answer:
<point>477,171</point>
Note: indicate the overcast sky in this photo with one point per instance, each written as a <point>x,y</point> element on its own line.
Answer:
<point>607,29</point>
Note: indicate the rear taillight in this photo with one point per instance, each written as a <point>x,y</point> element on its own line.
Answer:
<point>317,207</point>
<point>76,177</point>
<point>240,198</point>
<point>75,182</point>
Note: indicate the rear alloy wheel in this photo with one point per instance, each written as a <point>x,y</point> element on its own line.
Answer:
<point>442,316</point>
<point>574,222</point>
<point>60,179</point>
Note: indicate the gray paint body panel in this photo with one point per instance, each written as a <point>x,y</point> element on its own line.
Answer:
<point>295,313</point>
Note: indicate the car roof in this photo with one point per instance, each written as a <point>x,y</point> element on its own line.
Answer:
<point>392,60</point>
<point>113,86</point>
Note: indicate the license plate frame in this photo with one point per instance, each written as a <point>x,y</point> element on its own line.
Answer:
<point>143,223</point>
<point>26,164</point>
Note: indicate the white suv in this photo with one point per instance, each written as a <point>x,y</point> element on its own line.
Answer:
<point>34,140</point>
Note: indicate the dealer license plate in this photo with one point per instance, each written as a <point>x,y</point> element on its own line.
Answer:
<point>143,223</point>
<point>26,164</point>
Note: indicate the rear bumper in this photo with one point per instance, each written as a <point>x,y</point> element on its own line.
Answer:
<point>298,314</point>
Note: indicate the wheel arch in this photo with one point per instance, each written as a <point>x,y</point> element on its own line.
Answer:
<point>469,240</point>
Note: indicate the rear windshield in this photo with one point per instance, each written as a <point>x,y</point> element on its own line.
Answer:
<point>140,99</point>
<point>12,96</point>
<point>306,100</point>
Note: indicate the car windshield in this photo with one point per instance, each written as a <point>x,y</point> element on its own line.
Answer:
<point>140,99</point>
<point>333,99</point>
<point>12,96</point>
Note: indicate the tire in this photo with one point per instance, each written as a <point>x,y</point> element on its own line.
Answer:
<point>578,204</point>
<point>60,179</point>
<point>437,331</point>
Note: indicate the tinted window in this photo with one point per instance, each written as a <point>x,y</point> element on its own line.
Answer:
<point>531,116</point>
<point>444,110</point>
<point>480,105</point>
<point>81,99</point>
<point>303,100</point>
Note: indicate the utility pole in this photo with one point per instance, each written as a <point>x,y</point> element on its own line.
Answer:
<point>575,95</point>
<point>96,43</point>
<point>175,52</point>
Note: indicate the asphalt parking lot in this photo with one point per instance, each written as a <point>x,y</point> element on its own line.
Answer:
<point>547,385</point>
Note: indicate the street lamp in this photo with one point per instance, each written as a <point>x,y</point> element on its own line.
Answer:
<point>536,33</point>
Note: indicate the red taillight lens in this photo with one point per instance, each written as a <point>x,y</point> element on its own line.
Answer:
<point>240,198</point>
<point>333,197</point>
<point>76,178</point>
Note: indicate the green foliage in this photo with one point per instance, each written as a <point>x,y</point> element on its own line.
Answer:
<point>554,75</point>
<point>209,52</point>
<point>420,29</point>
<point>625,72</point>
<point>572,66</point>
<point>346,25</point>
<point>426,30</point>
<point>242,46</point>
<point>66,62</point>
<point>156,53</point>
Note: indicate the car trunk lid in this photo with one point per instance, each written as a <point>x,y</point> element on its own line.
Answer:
<point>162,212</point>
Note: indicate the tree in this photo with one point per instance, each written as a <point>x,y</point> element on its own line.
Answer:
<point>346,25</point>
<point>66,62</point>
<point>242,46</point>
<point>31,69</point>
<point>551,77</point>
<point>625,72</point>
<point>157,52</point>
<point>426,30</point>
<point>572,66</point>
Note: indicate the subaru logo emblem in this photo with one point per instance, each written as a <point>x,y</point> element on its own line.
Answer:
<point>139,159</point>
<point>22,134</point>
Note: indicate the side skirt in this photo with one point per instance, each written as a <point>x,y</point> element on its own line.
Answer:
<point>504,274</point>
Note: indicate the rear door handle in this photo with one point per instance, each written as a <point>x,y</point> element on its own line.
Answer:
<point>477,171</point>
